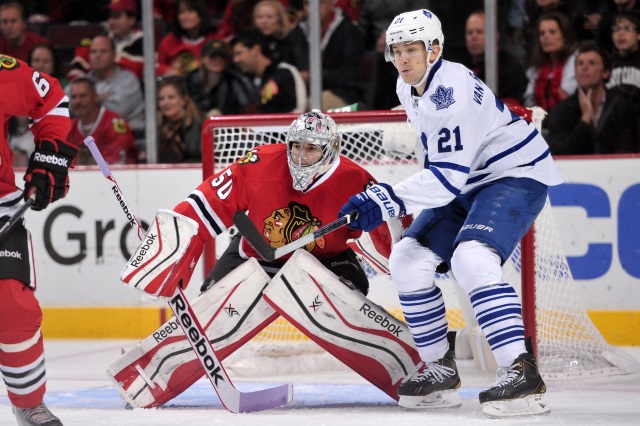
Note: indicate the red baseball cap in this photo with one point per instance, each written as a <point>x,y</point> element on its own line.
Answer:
<point>129,6</point>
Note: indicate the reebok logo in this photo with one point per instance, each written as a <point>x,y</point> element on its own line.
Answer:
<point>142,251</point>
<point>51,159</point>
<point>166,331</point>
<point>124,206</point>
<point>383,320</point>
<point>13,254</point>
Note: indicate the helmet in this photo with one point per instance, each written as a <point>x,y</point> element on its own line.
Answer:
<point>314,128</point>
<point>413,26</point>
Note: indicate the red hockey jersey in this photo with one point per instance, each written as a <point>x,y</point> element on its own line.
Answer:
<point>260,183</point>
<point>26,91</point>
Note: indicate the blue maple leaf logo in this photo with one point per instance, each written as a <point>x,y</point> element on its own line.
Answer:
<point>443,97</point>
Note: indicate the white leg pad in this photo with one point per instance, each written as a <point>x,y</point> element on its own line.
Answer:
<point>163,365</point>
<point>345,323</point>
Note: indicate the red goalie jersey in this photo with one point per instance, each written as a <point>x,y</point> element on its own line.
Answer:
<point>27,92</point>
<point>260,183</point>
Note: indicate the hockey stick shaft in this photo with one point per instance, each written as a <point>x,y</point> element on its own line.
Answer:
<point>232,399</point>
<point>17,216</point>
<point>268,253</point>
<point>104,168</point>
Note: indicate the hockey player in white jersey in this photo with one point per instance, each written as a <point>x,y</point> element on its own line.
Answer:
<point>485,179</point>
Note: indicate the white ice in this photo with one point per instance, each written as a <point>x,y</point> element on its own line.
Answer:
<point>80,394</point>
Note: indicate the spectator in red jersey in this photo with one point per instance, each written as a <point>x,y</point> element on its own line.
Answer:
<point>111,132</point>
<point>16,40</point>
<point>127,37</point>
<point>179,51</point>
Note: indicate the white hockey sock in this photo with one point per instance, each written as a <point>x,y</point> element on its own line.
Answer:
<point>499,314</point>
<point>426,317</point>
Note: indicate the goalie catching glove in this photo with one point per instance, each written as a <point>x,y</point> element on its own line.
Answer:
<point>166,256</point>
<point>48,172</point>
<point>375,205</point>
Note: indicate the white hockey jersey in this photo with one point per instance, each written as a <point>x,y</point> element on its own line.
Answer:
<point>469,138</point>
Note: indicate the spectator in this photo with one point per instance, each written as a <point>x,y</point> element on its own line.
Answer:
<point>280,87</point>
<point>583,15</point>
<point>603,35</point>
<point>179,51</point>
<point>218,88</point>
<point>595,120</point>
<point>375,18</point>
<point>179,123</point>
<point>625,74</point>
<point>238,17</point>
<point>286,43</point>
<point>16,40</point>
<point>343,48</point>
<point>119,89</point>
<point>512,80</point>
<point>552,73</point>
<point>113,136</point>
<point>42,59</point>
<point>126,36</point>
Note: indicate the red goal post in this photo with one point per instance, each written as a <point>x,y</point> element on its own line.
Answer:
<point>568,344</point>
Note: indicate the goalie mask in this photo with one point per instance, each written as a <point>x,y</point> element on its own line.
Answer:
<point>313,145</point>
<point>416,26</point>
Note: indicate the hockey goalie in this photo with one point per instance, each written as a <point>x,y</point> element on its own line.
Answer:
<point>288,190</point>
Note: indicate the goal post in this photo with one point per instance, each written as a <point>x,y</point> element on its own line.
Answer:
<point>383,142</point>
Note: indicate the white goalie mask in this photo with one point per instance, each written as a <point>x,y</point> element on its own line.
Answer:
<point>409,27</point>
<point>313,144</point>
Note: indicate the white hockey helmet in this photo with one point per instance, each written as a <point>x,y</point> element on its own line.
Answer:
<point>318,129</point>
<point>418,25</point>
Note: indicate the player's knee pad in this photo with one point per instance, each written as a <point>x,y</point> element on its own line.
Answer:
<point>20,313</point>
<point>163,365</point>
<point>413,266</point>
<point>344,322</point>
<point>475,264</point>
<point>16,254</point>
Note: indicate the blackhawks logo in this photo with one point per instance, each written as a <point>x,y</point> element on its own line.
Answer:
<point>119,125</point>
<point>291,223</point>
<point>8,62</point>
<point>249,158</point>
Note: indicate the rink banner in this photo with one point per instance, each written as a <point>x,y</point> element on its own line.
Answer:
<point>82,242</point>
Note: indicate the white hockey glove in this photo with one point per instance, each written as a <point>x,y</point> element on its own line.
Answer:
<point>166,256</point>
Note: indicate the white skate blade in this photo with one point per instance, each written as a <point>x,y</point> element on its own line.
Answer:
<point>534,405</point>
<point>433,401</point>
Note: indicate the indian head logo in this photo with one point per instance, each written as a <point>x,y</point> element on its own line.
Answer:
<point>291,223</point>
<point>250,157</point>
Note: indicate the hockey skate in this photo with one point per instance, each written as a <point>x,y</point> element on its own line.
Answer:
<point>36,416</point>
<point>518,392</point>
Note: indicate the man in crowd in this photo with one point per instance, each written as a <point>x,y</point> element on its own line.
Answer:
<point>16,40</point>
<point>111,132</point>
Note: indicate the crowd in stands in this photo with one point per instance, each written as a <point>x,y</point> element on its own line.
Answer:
<point>579,60</point>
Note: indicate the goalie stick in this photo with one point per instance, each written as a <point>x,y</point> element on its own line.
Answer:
<point>17,216</point>
<point>268,253</point>
<point>232,399</point>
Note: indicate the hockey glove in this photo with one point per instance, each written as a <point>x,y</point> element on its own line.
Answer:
<point>47,173</point>
<point>375,205</point>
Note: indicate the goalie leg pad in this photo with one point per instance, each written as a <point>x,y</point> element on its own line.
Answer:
<point>163,365</point>
<point>352,328</point>
<point>166,256</point>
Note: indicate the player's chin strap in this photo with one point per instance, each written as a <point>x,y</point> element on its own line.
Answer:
<point>429,67</point>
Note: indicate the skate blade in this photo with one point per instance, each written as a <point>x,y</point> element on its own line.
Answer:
<point>434,401</point>
<point>534,405</point>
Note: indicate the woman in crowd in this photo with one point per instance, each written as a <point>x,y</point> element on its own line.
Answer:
<point>179,50</point>
<point>179,122</point>
<point>552,73</point>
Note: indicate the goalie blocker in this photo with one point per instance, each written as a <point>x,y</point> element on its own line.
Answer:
<point>355,330</point>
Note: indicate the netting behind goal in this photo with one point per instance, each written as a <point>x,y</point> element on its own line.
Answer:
<point>568,344</point>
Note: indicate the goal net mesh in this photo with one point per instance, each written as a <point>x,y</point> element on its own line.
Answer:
<point>568,344</point>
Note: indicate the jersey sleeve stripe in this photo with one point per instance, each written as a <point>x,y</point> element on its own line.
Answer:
<point>206,213</point>
<point>450,166</point>
<point>438,174</point>
<point>510,150</point>
<point>477,178</point>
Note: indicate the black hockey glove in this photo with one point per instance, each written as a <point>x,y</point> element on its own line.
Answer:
<point>47,174</point>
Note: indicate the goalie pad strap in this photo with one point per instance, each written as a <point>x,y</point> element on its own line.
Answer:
<point>352,328</point>
<point>166,257</point>
<point>164,365</point>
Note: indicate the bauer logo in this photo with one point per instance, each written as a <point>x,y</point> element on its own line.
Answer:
<point>383,319</point>
<point>138,257</point>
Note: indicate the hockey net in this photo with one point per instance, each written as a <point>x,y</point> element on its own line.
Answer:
<point>568,344</point>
